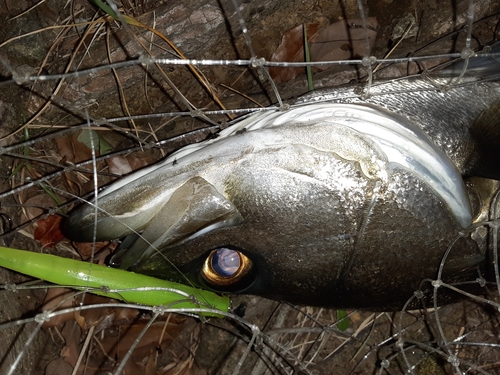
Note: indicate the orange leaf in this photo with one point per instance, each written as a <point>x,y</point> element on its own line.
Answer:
<point>48,231</point>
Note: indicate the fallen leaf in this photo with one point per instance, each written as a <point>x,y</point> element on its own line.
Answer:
<point>102,317</point>
<point>71,150</point>
<point>59,366</point>
<point>118,346</point>
<point>86,249</point>
<point>48,231</point>
<point>93,139</point>
<point>341,40</point>
<point>121,165</point>
<point>37,205</point>
<point>58,299</point>
<point>291,49</point>
<point>150,368</point>
<point>71,333</point>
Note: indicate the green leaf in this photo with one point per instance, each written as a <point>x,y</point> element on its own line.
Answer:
<point>310,85</point>
<point>105,8</point>
<point>111,282</point>
<point>342,320</point>
<point>89,137</point>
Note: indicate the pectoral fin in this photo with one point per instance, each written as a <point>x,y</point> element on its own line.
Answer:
<point>193,209</point>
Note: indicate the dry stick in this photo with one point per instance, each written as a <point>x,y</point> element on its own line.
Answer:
<point>52,47</point>
<point>42,30</point>
<point>27,10</point>
<point>99,343</point>
<point>174,87</point>
<point>125,359</point>
<point>162,335</point>
<point>121,93</point>
<point>243,95</point>
<point>186,102</point>
<point>259,367</point>
<point>84,349</point>
<point>54,164</point>
<point>58,86</point>
<point>254,61</point>
<point>408,29</point>
<point>194,70</point>
<point>58,332</point>
<point>146,68</point>
<point>308,335</point>
<point>322,342</point>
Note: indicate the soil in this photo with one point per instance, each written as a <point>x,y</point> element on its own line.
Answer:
<point>201,29</point>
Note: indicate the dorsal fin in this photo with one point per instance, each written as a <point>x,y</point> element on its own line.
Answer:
<point>486,133</point>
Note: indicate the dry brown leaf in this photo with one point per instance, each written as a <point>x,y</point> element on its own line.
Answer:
<point>102,317</point>
<point>35,205</point>
<point>48,231</point>
<point>71,333</point>
<point>86,249</point>
<point>291,49</point>
<point>71,150</point>
<point>341,40</point>
<point>121,165</point>
<point>150,368</point>
<point>125,315</point>
<point>117,347</point>
<point>58,299</point>
<point>58,366</point>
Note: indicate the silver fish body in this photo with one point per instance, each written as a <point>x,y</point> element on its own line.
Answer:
<point>337,201</point>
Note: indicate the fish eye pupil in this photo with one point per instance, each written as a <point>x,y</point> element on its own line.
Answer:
<point>226,262</point>
<point>227,269</point>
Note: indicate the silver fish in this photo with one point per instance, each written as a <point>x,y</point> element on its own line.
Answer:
<point>338,201</point>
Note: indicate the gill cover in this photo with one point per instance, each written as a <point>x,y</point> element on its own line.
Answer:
<point>193,209</point>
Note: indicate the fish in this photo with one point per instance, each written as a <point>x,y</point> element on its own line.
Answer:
<point>342,198</point>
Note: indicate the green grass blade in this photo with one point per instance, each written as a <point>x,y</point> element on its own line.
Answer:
<point>310,85</point>
<point>105,8</point>
<point>342,320</point>
<point>81,275</point>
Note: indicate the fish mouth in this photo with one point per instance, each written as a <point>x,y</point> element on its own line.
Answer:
<point>194,209</point>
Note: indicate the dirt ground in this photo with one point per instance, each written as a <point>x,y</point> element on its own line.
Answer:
<point>39,40</point>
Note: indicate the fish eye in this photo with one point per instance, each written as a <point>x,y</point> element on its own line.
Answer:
<point>225,267</point>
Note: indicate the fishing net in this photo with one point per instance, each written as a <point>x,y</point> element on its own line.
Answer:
<point>92,91</point>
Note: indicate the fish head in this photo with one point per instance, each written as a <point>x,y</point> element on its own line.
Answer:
<point>304,206</point>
